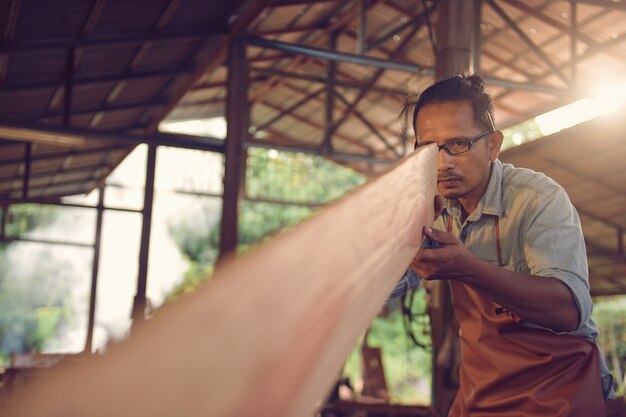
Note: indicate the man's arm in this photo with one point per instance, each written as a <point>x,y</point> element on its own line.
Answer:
<point>543,301</point>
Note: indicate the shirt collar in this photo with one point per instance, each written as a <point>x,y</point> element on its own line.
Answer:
<point>490,203</point>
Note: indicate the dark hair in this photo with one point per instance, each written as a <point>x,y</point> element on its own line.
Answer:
<point>470,88</point>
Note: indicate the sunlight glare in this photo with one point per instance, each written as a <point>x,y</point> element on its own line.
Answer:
<point>214,127</point>
<point>608,100</point>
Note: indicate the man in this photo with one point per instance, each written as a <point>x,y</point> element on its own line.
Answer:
<point>510,244</point>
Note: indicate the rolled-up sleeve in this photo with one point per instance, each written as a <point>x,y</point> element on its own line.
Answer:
<point>409,281</point>
<point>554,245</point>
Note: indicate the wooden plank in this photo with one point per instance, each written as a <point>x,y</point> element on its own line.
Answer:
<point>268,335</point>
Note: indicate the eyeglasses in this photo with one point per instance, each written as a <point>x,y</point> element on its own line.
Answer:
<point>458,146</point>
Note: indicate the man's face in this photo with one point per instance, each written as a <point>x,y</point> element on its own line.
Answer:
<point>464,176</point>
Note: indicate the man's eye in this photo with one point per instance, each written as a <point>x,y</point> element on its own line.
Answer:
<point>457,144</point>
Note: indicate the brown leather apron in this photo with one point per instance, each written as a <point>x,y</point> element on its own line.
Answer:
<point>509,369</point>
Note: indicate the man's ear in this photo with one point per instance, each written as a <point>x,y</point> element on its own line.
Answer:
<point>495,143</point>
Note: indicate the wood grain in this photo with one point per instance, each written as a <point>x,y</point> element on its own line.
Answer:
<point>268,335</point>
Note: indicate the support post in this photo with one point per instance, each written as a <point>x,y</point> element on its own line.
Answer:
<point>4,222</point>
<point>27,164</point>
<point>361,29</point>
<point>456,22</point>
<point>237,119</point>
<point>454,34</point>
<point>139,303</point>
<point>94,271</point>
<point>330,95</point>
<point>476,46</point>
<point>574,41</point>
<point>69,85</point>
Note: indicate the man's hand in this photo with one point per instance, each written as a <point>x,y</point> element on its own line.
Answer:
<point>451,260</point>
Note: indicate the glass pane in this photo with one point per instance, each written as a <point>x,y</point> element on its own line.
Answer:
<point>125,185</point>
<point>117,275</point>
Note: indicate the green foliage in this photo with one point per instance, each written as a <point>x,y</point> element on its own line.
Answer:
<point>33,301</point>
<point>259,220</point>
<point>609,313</point>
<point>296,177</point>
<point>408,368</point>
<point>201,247</point>
<point>524,132</point>
<point>271,175</point>
<point>195,276</point>
<point>25,217</point>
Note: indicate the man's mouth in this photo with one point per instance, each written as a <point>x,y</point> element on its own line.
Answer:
<point>448,180</point>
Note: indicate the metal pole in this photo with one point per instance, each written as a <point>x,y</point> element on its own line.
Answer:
<point>139,303</point>
<point>4,221</point>
<point>574,38</point>
<point>69,84</point>
<point>361,30</point>
<point>94,271</point>
<point>27,164</point>
<point>476,44</point>
<point>340,56</point>
<point>398,66</point>
<point>330,94</point>
<point>455,22</point>
<point>237,120</point>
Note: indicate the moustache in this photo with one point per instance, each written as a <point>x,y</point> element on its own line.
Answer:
<point>446,178</point>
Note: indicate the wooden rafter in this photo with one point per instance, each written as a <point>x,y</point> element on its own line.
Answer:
<point>288,110</point>
<point>311,123</point>
<point>372,80</point>
<point>162,21</point>
<point>536,49</point>
<point>87,80</point>
<point>208,62</point>
<point>9,33</point>
<point>63,93</point>
<point>318,100</point>
<point>370,126</point>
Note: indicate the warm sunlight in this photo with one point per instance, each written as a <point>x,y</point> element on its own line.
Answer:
<point>215,127</point>
<point>609,99</point>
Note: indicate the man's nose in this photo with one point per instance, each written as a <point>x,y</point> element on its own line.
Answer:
<point>445,161</point>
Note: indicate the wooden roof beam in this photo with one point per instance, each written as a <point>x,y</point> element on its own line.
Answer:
<point>302,91</point>
<point>162,139</point>
<point>370,126</point>
<point>297,29</point>
<point>107,108</point>
<point>244,16</point>
<point>323,80</point>
<point>557,24</point>
<point>414,20</point>
<point>607,4</point>
<point>139,55</point>
<point>288,110</point>
<point>9,33</point>
<point>540,54</point>
<point>112,41</point>
<point>58,155</point>
<point>42,85</point>
<point>313,124</point>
